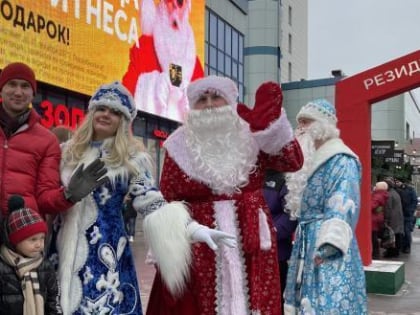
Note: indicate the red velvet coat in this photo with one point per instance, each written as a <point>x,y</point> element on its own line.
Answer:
<point>261,267</point>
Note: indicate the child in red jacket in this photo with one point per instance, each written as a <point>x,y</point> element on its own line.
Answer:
<point>379,199</point>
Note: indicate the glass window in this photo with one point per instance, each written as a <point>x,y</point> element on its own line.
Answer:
<point>220,35</point>
<point>290,43</point>
<point>228,66</point>
<point>235,44</point>
<point>224,49</point>
<point>290,15</point>
<point>213,56</point>
<point>241,49</point>
<point>235,70</point>
<point>220,61</point>
<point>241,92</point>
<point>228,40</point>
<point>213,29</point>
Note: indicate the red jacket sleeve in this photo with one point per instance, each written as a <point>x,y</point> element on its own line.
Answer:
<point>49,191</point>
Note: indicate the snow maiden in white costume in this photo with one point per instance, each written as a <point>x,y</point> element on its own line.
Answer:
<point>96,269</point>
<point>325,274</point>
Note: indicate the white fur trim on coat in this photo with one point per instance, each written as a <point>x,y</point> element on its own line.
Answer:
<point>279,133</point>
<point>166,233</point>
<point>265,234</point>
<point>329,149</point>
<point>336,232</point>
<point>289,309</point>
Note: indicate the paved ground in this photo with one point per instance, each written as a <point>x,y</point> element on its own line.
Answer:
<point>405,302</point>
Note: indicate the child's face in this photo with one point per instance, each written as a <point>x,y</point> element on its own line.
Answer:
<point>32,246</point>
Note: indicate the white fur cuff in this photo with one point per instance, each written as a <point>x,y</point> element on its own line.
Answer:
<point>289,310</point>
<point>272,139</point>
<point>166,233</point>
<point>336,232</point>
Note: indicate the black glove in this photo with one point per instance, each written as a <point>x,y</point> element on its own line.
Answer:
<point>86,180</point>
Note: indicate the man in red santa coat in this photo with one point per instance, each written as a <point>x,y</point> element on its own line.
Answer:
<point>216,163</point>
<point>165,61</point>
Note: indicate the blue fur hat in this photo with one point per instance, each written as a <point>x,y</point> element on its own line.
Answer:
<point>320,110</point>
<point>115,96</point>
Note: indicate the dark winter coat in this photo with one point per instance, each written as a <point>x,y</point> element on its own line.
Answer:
<point>393,212</point>
<point>11,296</point>
<point>378,202</point>
<point>274,192</point>
<point>408,200</point>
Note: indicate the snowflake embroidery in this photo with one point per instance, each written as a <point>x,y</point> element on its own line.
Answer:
<point>111,283</point>
<point>100,306</point>
<point>87,275</point>
<point>336,202</point>
<point>95,235</point>
<point>104,195</point>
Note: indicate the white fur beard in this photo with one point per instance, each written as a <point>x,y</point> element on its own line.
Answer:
<point>296,182</point>
<point>223,149</point>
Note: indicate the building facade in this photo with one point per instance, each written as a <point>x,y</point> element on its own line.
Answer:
<point>249,41</point>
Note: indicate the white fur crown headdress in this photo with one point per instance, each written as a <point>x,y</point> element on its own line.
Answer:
<point>115,96</point>
<point>224,87</point>
<point>320,110</point>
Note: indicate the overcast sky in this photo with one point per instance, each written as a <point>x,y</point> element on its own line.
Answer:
<point>355,35</point>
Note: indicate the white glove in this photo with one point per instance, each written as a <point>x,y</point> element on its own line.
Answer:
<point>201,233</point>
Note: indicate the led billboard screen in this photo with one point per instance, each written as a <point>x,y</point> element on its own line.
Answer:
<point>81,44</point>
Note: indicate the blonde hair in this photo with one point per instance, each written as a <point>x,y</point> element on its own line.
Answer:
<point>120,148</point>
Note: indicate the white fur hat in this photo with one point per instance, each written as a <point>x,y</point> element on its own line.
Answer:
<point>320,110</point>
<point>115,96</point>
<point>223,86</point>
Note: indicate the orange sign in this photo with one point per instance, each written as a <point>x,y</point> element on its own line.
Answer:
<point>77,45</point>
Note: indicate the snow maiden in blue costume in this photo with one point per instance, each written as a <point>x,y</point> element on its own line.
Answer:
<point>96,269</point>
<point>325,274</point>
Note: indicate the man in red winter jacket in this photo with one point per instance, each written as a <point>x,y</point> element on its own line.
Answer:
<point>30,154</point>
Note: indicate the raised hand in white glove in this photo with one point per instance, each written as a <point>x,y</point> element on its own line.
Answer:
<point>212,237</point>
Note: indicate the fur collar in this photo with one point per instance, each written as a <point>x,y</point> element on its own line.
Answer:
<point>329,149</point>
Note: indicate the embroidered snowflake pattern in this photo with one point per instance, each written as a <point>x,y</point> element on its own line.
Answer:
<point>104,195</point>
<point>87,275</point>
<point>95,235</point>
<point>100,306</point>
<point>336,202</point>
<point>111,283</point>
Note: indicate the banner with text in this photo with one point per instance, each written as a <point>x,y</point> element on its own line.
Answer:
<point>79,44</point>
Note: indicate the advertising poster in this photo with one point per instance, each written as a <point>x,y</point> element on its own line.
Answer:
<point>155,47</point>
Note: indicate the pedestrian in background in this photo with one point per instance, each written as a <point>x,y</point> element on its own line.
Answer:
<point>409,204</point>
<point>28,283</point>
<point>379,199</point>
<point>394,218</point>
<point>326,273</point>
<point>275,190</point>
